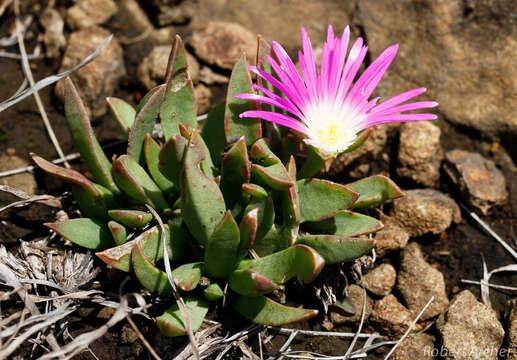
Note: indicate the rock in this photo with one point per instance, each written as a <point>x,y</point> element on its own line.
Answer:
<point>418,281</point>
<point>482,184</point>
<point>390,317</point>
<point>391,238</point>
<point>86,13</point>
<point>53,37</point>
<point>418,346</point>
<point>420,154</point>
<point>470,330</point>
<point>151,71</point>
<point>223,43</point>
<point>381,280</point>
<point>512,332</point>
<point>176,14</point>
<point>203,98</point>
<point>209,77</point>
<point>23,181</point>
<point>470,45</point>
<point>356,295</point>
<point>98,79</point>
<point>425,211</point>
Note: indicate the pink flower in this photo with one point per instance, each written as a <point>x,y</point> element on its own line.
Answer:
<point>327,106</point>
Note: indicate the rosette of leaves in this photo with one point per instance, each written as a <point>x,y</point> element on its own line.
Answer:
<point>219,190</point>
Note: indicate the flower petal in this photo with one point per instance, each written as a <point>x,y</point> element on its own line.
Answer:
<point>277,118</point>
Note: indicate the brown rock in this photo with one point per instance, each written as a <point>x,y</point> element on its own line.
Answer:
<point>223,43</point>
<point>381,280</point>
<point>418,281</point>
<point>512,332</point>
<point>86,13</point>
<point>470,330</point>
<point>418,346</point>
<point>203,98</point>
<point>356,295</point>
<point>209,77</point>
<point>176,14</point>
<point>425,211</point>
<point>420,154</point>
<point>53,37</point>
<point>391,238</point>
<point>98,79</point>
<point>480,182</point>
<point>390,317</point>
<point>151,71</point>
<point>24,181</point>
<point>469,45</point>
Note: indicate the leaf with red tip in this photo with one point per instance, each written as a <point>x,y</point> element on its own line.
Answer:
<point>213,132</point>
<point>374,190</point>
<point>235,171</point>
<point>84,138</point>
<point>290,202</point>
<point>213,292</point>
<point>262,310</point>
<point>248,232</point>
<point>267,167</point>
<point>143,125</point>
<point>337,249</point>
<point>222,248</point>
<point>346,223</point>
<point>132,218</point>
<point>171,158</point>
<point>123,113</point>
<point>179,105</point>
<point>171,323</point>
<point>277,238</point>
<point>152,153</point>
<point>118,231</point>
<point>234,126</point>
<point>85,232</point>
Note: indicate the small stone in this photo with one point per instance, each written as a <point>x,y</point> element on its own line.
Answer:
<point>151,71</point>
<point>381,280</point>
<point>356,295</point>
<point>512,332</point>
<point>209,77</point>
<point>176,14</point>
<point>418,281</point>
<point>223,43</point>
<point>105,313</point>
<point>392,237</point>
<point>425,211</point>
<point>390,317</point>
<point>86,13</point>
<point>203,98</point>
<point>481,183</point>
<point>98,79</point>
<point>418,346</point>
<point>53,37</point>
<point>420,154</point>
<point>470,330</point>
<point>128,335</point>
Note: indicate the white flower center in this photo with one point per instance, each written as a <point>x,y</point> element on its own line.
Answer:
<point>331,126</point>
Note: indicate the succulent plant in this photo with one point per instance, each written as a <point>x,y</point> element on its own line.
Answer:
<point>220,189</point>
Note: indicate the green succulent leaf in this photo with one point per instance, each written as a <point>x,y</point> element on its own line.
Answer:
<point>118,231</point>
<point>266,209</point>
<point>277,238</point>
<point>267,168</point>
<point>135,182</point>
<point>132,218</point>
<point>152,159</point>
<point>314,163</point>
<point>374,190</point>
<point>346,223</point>
<point>202,203</point>
<point>85,232</point>
<point>262,310</point>
<point>213,292</point>
<point>234,126</point>
<point>222,248</point>
<point>187,276</point>
<point>235,171</point>
<point>171,158</point>
<point>290,202</point>
<point>213,133</point>
<point>320,199</point>
<point>123,113</point>
<point>254,190</point>
<point>248,232</point>
<point>144,122</point>
<point>85,140</point>
<point>207,165</point>
<point>179,105</point>
<point>171,322</point>
<point>337,249</point>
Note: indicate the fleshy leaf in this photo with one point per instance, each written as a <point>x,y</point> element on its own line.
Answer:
<point>248,232</point>
<point>207,165</point>
<point>131,218</point>
<point>123,113</point>
<point>314,163</point>
<point>187,276</point>
<point>85,232</point>
<point>118,231</point>
<point>213,292</point>
<point>213,133</point>
<point>266,208</point>
<point>202,203</point>
<point>234,126</point>
<point>144,122</point>
<point>222,248</point>
<point>135,182</point>
<point>235,171</point>
<point>277,238</point>
<point>171,158</point>
<point>85,140</point>
<point>290,202</point>
<point>152,153</point>
<point>262,310</point>
<point>267,167</point>
<point>336,249</point>
<point>171,323</point>
<point>346,223</point>
<point>374,190</point>
<point>179,105</point>
<point>321,199</point>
